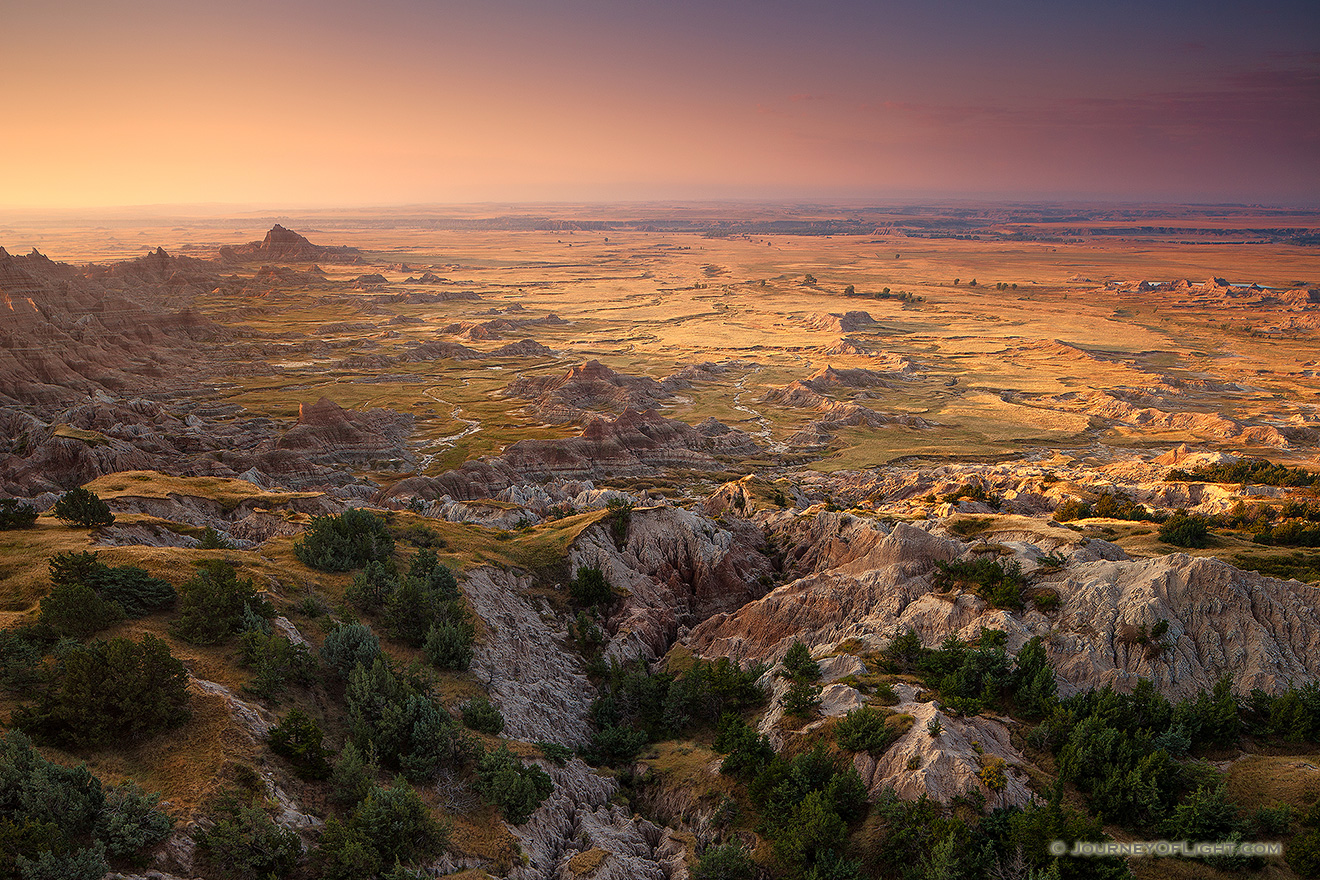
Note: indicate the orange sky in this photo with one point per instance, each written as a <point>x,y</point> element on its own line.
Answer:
<point>409,101</point>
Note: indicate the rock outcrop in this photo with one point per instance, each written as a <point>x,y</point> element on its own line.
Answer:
<point>287,246</point>
<point>677,569</point>
<point>869,583</point>
<point>532,673</point>
<point>589,387</point>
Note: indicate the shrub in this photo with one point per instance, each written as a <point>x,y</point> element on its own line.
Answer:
<point>344,542</point>
<point>215,604</point>
<point>798,664</point>
<point>14,515</point>
<point>245,842</point>
<point>113,691</point>
<point>275,662</point>
<point>614,745</point>
<point>76,610</point>
<point>213,540</point>
<point>589,588</point>
<point>620,518</point>
<point>372,587</point>
<point>58,823</point>
<point>298,739</point>
<point>727,862</point>
<point>555,753</point>
<point>82,507</point>
<point>20,658</point>
<point>353,776</point>
<point>802,699</point>
<point>812,829</point>
<point>348,645</point>
<point>480,715</point>
<point>398,824</point>
<point>130,820</point>
<point>866,730</point>
<point>409,732</point>
<point>516,789</point>
<point>448,644</point>
<point>1182,530</point>
<point>999,584</point>
<point>136,591</point>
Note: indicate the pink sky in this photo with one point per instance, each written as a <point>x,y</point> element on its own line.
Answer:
<point>412,101</point>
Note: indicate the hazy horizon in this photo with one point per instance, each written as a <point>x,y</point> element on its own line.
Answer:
<point>141,102</point>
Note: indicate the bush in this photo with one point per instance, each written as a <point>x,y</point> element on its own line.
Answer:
<point>129,821</point>
<point>76,610</point>
<point>590,588</point>
<point>20,658</point>
<point>216,604</point>
<point>516,789</point>
<point>245,842</point>
<point>58,823</point>
<point>802,699</point>
<point>866,730</point>
<point>614,745</point>
<point>344,542</point>
<point>372,587</point>
<point>108,692</point>
<point>727,862</point>
<point>82,507</point>
<point>213,540</point>
<point>348,645</point>
<point>798,664</point>
<point>298,739</point>
<point>409,732</point>
<point>353,776</point>
<point>480,715</point>
<point>275,662</point>
<point>620,518</point>
<point>1182,530</point>
<point>14,515</point>
<point>448,645</point>
<point>398,824</point>
<point>999,584</point>
<point>136,591</point>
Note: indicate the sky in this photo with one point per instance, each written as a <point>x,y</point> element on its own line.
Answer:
<point>324,103</point>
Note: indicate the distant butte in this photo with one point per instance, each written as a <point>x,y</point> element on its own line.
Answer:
<point>285,245</point>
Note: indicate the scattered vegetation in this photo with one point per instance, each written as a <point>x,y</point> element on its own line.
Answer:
<point>16,515</point>
<point>1000,584</point>
<point>975,492</point>
<point>1245,471</point>
<point>108,692</point>
<point>63,822</point>
<point>83,507</point>
<point>1110,505</point>
<point>637,706</point>
<point>424,608</point>
<point>515,788</point>
<point>1185,530</point>
<point>344,542</point>
<point>215,605</point>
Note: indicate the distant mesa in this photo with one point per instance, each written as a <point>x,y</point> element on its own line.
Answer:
<point>375,279</point>
<point>848,322</point>
<point>589,387</point>
<point>285,245</point>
